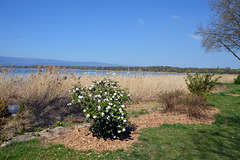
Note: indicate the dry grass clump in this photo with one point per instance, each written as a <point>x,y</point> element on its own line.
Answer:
<point>9,84</point>
<point>43,87</point>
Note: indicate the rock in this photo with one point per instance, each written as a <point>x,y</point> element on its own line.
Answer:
<point>18,138</point>
<point>47,133</point>
<point>83,125</point>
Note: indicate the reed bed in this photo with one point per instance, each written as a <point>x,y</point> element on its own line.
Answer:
<point>50,83</point>
<point>146,88</point>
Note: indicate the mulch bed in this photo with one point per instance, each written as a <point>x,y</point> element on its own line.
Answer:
<point>82,138</point>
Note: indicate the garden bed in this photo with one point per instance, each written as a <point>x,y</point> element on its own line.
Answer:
<point>82,138</point>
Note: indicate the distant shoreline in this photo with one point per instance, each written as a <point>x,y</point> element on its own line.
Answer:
<point>149,69</point>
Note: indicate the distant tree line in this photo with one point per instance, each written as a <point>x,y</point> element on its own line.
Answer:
<point>226,70</point>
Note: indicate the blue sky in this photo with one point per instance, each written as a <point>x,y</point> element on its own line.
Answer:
<point>124,32</point>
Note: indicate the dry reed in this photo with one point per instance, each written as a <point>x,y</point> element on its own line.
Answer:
<point>50,83</point>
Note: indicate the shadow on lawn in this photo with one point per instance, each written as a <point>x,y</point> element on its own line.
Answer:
<point>221,141</point>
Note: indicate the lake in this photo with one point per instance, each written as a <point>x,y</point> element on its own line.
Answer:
<point>27,71</point>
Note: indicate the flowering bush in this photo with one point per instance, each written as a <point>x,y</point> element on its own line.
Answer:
<point>104,103</point>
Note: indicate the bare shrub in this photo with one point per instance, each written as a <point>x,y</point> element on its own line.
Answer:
<point>194,106</point>
<point>171,100</point>
<point>179,101</point>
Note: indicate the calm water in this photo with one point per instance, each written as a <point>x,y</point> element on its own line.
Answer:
<point>27,71</point>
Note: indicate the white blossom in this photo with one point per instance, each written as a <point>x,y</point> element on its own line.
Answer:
<point>98,96</point>
<point>120,110</point>
<point>87,115</point>
<point>103,114</point>
<point>124,130</point>
<point>124,120</point>
<point>119,131</point>
<point>80,97</point>
<point>69,104</point>
<point>94,117</point>
<point>77,89</point>
<point>123,106</point>
<point>99,108</point>
<point>84,110</point>
<point>108,107</point>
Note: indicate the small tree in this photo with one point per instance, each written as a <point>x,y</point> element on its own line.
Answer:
<point>199,84</point>
<point>222,33</point>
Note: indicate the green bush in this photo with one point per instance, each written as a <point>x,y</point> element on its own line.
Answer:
<point>104,103</point>
<point>237,80</point>
<point>200,84</point>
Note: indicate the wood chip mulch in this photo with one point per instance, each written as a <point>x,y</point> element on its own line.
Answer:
<point>82,139</point>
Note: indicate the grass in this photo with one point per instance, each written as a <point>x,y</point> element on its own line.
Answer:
<point>220,140</point>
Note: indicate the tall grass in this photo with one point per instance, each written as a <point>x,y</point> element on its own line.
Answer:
<point>50,83</point>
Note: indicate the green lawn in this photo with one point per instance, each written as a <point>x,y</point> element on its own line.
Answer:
<point>220,140</point>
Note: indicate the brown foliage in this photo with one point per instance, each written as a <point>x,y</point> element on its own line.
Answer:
<point>178,101</point>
